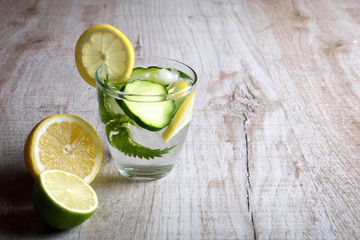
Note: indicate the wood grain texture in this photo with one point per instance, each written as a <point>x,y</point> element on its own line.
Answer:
<point>273,151</point>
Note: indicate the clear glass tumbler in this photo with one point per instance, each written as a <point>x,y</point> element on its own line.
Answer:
<point>147,117</point>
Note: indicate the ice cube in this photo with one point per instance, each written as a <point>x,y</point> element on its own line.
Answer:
<point>167,76</point>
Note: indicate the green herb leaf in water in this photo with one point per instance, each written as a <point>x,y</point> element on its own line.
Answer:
<point>121,139</point>
<point>106,115</point>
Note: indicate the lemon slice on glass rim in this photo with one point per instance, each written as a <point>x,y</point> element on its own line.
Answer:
<point>104,44</point>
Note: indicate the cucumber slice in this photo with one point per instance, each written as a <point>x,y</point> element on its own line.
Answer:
<point>154,115</point>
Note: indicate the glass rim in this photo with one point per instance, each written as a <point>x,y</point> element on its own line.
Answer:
<point>121,93</point>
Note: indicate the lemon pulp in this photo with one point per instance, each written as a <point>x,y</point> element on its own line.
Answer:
<point>65,142</point>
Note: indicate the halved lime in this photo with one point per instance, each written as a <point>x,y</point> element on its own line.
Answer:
<point>63,200</point>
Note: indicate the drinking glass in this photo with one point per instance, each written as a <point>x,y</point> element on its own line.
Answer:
<point>141,153</point>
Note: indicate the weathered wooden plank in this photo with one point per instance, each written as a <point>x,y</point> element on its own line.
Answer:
<point>310,49</point>
<point>272,152</point>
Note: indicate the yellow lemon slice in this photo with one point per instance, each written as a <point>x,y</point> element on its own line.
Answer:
<point>184,112</point>
<point>63,200</point>
<point>104,44</point>
<point>178,86</point>
<point>63,142</point>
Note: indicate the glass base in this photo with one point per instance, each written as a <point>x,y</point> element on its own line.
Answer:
<point>144,173</point>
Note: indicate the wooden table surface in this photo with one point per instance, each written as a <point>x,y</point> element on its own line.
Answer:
<point>273,151</point>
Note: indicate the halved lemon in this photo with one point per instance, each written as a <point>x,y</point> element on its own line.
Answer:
<point>63,200</point>
<point>65,142</point>
<point>184,110</point>
<point>104,44</point>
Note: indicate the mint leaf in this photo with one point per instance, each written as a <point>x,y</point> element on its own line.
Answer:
<point>107,104</point>
<point>123,141</point>
<point>105,114</point>
<point>106,80</point>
